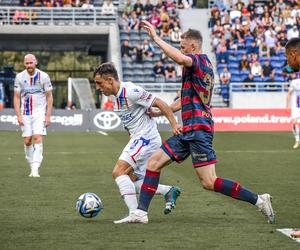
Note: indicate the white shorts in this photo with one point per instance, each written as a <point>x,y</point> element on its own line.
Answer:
<point>137,152</point>
<point>33,125</point>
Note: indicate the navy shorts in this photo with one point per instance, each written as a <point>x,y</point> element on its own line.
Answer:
<point>198,144</point>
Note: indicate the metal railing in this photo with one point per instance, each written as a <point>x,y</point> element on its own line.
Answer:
<point>54,16</point>
<point>259,87</point>
<point>160,87</point>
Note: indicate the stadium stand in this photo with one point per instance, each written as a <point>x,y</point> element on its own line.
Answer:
<point>248,38</point>
<point>139,55</point>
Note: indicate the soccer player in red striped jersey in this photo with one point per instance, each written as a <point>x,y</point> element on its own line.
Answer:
<point>198,130</point>
<point>34,88</point>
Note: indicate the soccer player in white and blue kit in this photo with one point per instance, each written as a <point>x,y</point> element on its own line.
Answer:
<point>131,104</point>
<point>293,102</point>
<point>33,87</point>
<point>292,51</point>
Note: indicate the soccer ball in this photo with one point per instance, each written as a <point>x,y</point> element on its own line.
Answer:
<point>89,205</point>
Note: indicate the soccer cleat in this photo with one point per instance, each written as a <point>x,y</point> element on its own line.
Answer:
<point>266,207</point>
<point>171,198</point>
<point>296,145</point>
<point>30,175</point>
<point>137,216</point>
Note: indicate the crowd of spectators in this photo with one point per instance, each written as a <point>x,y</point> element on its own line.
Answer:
<point>249,39</point>
<point>135,45</point>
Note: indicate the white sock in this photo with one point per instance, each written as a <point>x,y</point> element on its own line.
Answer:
<point>28,153</point>
<point>259,201</point>
<point>161,189</point>
<point>37,155</point>
<point>127,190</point>
<point>296,132</point>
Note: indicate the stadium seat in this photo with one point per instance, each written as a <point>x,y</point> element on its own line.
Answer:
<point>235,78</point>
<point>160,79</point>
<point>149,79</point>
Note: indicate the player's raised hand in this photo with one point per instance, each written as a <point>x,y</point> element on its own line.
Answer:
<point>20,121</point>
<point>149,28</point>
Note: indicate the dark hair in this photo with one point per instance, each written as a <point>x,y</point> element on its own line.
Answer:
<point>293,43</point>
<point>193,35</point>
<point>107,69</point>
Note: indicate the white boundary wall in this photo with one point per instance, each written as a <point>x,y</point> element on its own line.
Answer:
<point>249,100</point>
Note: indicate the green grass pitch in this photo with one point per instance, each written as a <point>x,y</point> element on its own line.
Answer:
<point>39,213</point>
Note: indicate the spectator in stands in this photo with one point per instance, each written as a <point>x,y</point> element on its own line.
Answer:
<point>221,51</point>
<point>170,71</point>
<point>187,4</point>
<point>87,5</point>
<point>155,19</point>
<point>138,8</point>
<point>158,69</point>
<point>128,8</point>
<point>239,5</point>
<point>138,54</point>
<point>235,13</point>
<point>264,50</point>
<point>148,48</point>
<point>126,51</point>
<point>134,22</point>
<point>124,22</point>
<point>244,63</point>
<point>253,49</point>
<point>267,21</point>
<point>108,9</point>
<point>175,35</point>
<point>251,7</point>
<point>293,32</point>
<point>268,71</point>
<point>109,104</point>
<point>148,8</point>
<point>255,67</point>
<point>225,76</point>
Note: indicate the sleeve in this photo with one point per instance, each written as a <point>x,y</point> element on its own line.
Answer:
<point>195,61</point>
<point>141,97</point>
<point>47,83</point>
<point>17,84</point>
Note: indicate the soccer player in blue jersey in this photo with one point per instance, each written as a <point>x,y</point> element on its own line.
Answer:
<point>198,130</point>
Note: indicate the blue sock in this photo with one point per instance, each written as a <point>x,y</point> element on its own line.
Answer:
<point>148,189</point>
<point>234,190</point>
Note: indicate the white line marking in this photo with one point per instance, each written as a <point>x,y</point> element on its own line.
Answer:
<point>102,132</point>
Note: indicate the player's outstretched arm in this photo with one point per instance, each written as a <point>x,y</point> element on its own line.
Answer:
<point>169,50</point>
<point>167,111</point>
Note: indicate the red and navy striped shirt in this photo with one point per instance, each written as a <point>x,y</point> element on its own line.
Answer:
<point>197,87</point>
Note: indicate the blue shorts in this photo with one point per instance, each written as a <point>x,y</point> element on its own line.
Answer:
<point>198,144</point>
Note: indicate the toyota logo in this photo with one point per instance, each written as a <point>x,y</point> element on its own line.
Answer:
<point>107,120</point>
